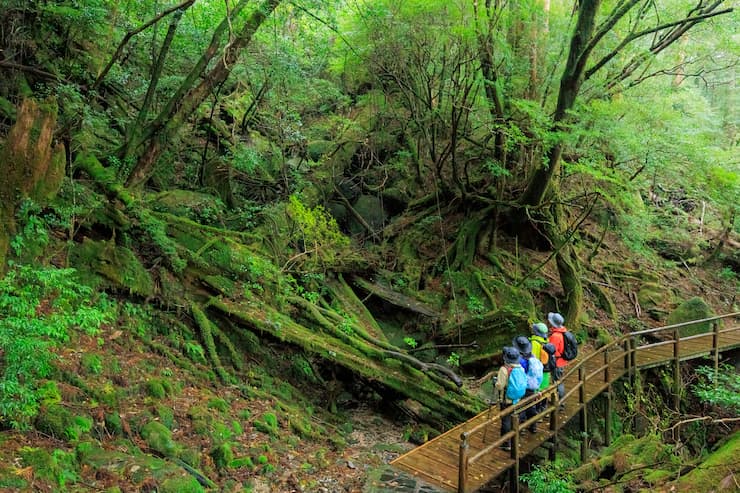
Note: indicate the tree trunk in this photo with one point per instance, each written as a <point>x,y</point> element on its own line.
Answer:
<point>570,83</point>
<point>187,98</point>
<point>133,132</point>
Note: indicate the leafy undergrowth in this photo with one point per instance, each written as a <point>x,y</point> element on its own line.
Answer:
<point>117,415</point>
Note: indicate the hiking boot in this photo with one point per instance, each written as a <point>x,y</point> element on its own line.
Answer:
<point>506,447</point>
<point>533,429</point>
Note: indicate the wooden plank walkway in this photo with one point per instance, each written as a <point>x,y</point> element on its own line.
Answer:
<point>473,447</point>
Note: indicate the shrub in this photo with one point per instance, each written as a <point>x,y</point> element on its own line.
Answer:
<point>721,389</point>
<point>39,309</point>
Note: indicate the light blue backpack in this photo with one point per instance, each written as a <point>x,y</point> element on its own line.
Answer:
<point>517,384</point>
<point>534,373</point>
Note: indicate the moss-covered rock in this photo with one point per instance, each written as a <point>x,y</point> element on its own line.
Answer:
<point>197,206</point>
<point>693,309</point>
<point>717,473</point>
<point>654,297</point>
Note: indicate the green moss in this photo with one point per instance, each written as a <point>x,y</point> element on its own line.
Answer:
<point>191,457</point>
<point>242,462</point>
<point>116,264</point>
<point>219,404</point>
<point>201,418</point>
<point>693,309</point>
<point>657,476</point>
<point>267,424</point>
<point>653,295</point>
<point>54,420</point>
<point>716,469</point>
<point>222,455</point>
<point>158,388</point>
<point>166,416</point>
<point>184,484</point>
<point>59,467</point>
<point>159,438</point>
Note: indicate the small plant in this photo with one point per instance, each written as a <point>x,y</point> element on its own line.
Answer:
<point>195,352</point>
<point>475,305</point>
<point>551,478</point>
<point>410,342</point>
<point>721,389</point>
<point>453,360</point>
<point>92,364</point>
<point>727,274</point>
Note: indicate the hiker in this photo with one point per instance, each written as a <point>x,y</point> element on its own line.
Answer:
<point>566,348</point>
<point>549,371</point>
<point>511,383</point>
<point>534,369</point>
<point>538,340</point>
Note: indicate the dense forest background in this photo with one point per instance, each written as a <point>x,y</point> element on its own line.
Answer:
<point>226,224</point>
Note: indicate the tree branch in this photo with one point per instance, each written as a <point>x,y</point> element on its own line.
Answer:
<point>184,5</point>
<point>684,25</point>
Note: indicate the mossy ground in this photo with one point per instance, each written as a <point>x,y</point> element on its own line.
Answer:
<point>164,438</point>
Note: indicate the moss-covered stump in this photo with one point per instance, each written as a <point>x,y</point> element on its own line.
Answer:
<point>30,165</point>
<point>693,309</point>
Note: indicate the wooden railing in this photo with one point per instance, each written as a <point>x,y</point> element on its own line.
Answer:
<point>599,369</point>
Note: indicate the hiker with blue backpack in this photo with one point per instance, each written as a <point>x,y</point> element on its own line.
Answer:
<point>511,383</point>
<point>566,348</point>
<point>533,368</point>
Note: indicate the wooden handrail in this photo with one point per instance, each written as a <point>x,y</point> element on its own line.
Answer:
<point>550,393</point>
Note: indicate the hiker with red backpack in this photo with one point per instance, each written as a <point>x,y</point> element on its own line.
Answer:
<point>566,348</point>
<point>511,383</point>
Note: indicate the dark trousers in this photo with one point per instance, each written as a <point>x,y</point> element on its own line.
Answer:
<point>505,420</point>
<point>556,376</point>
<point>529,412</point>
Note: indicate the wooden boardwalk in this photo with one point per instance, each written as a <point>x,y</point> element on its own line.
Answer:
<point>468,456</point>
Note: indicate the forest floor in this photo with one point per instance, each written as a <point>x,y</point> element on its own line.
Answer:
<point>280,461</point>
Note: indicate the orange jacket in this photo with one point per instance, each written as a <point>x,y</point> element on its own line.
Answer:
<point>557,340</point>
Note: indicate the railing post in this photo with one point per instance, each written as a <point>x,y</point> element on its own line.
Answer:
<point>554,425</point>
<point>608,417</point>
<point>715,346</point>
<point>514,471</point>
<point>462,471</point>
<point>583,412</point>
<point>677,370</point>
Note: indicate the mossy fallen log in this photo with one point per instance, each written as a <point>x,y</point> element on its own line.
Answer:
<point>395,298</point>
<point>381,367</point>
<point>340,290</point>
